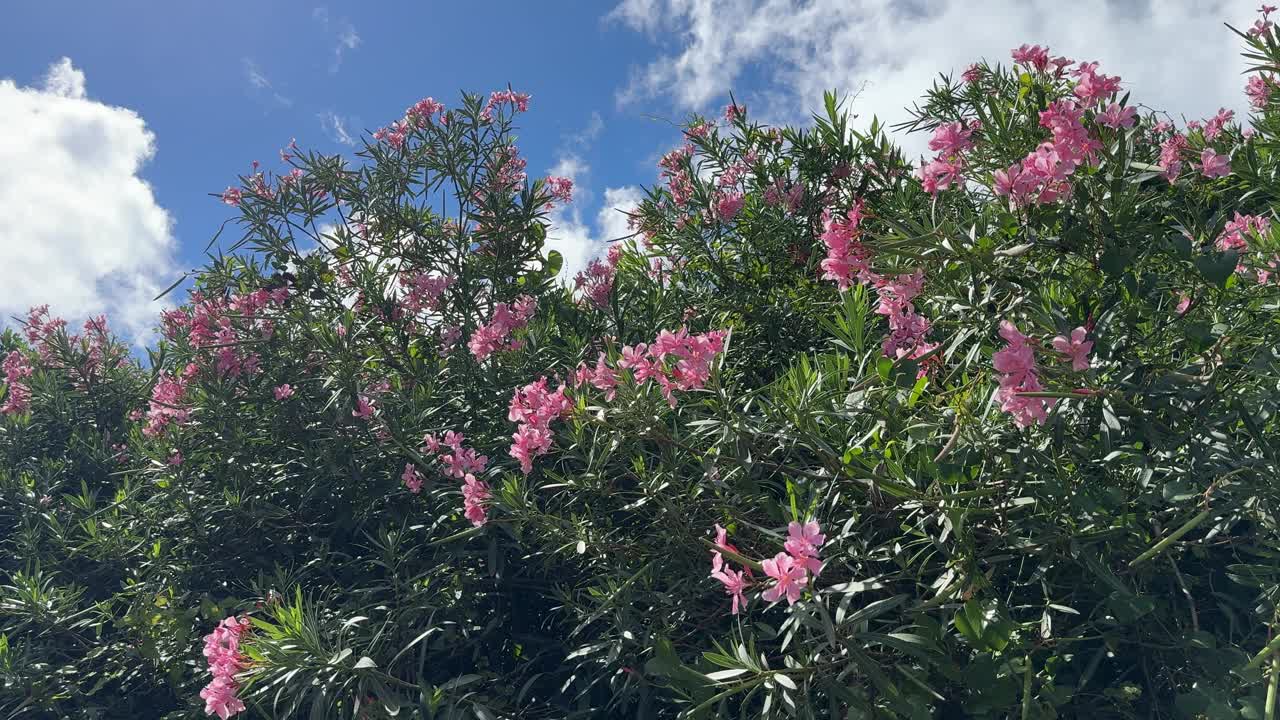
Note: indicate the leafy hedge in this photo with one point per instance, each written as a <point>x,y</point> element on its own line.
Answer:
<point>827,436</point>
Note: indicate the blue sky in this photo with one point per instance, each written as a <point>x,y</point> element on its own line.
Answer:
<point>110,157</point>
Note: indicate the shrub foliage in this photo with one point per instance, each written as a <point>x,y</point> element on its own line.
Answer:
<point>828,435</point>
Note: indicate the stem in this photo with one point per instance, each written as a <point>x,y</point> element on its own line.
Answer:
<point>1271,689</point>
<point>1173,537</point>
<point>1026,688</point>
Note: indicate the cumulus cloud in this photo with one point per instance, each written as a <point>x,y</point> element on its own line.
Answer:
<point>1176,54</point>
<point>81,230</point>
<point>576,239</point>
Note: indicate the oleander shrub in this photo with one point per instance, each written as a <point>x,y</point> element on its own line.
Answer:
<point>832,433</point>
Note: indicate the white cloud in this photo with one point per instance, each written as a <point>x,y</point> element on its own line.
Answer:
<point>336,128</point>
<point>347,37</point>
<point>613,216</point>
<point>260,82</point>
<point>576,239</point>
<point>80,231</point>
<point>1175,54</point>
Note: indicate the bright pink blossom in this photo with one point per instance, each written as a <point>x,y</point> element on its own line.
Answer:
<point>561,189</point>
<point>1213,165</point>
<point>17,398</point>
<point>1117,117</point>
<point>283,391</point>
<point>411,478</point>
<point>1016,365</point>
<point>803,541</point>
<point>534,407</point>
<point>734,582</point>
<point>1076,348</point>
<point>1032,56</point>
<point>232,196</point>
<point>847,259</point>
<point>972,74</point>
<point>475,499</point>
<point>495,335</point>
<point>790,578</point>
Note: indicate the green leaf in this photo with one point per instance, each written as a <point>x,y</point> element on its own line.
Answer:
<point>1217,267</point>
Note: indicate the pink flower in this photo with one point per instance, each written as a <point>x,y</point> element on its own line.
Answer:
<point>1259,88</point>
<point>175,457</point>
<point>220,698</point>
<point>453,439</point>
<point>1032,56</point>
<point>411,478</point>
<point>475,496</point>
<point>284,391</point>
<point>727,205</point>
<point>1117,117</point>
<point>232,196</point>
<point>734,582</point>
<point>364,408</point>
<point>1184,303</point>
<point>733,111</point>
<point>561,189</point>
<point>605,378</point>
<point>17,399</point>
<point>1016,365</point>
<point>534,407</point>
<point>494,335</point>
<point>802,544</point>
<point>847,259</point>
<point>972,74</point>
<point>1213,165</point>
<point>430,443</point>
<point>1076,348</point>
<point>951,139</point>
<point>790,577</point>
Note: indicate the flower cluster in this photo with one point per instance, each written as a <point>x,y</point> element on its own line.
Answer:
<point>418,115</point>
<point>534,407</point>
<point>1043,176</point>
<point>167,401</point>
<point>458,462</point>
<point>790,570</point>
<point>517,100</point>
<point>1235,234</point>
<point>1016,364</point>
<point>596,282</point>
<point>675,171</point>
<point>422,291</point>
<point>734,581</point>
<point>17,399</point>
<point>496,334</point>
<point>907,328</point>
<point>847,259</point>
<point>677,360</point>
<point>951,141</point>
<point>222,650</point>
<point>42,330</point>
<point>561,189</point>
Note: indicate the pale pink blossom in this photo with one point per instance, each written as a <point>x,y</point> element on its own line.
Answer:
<point>475,499</point>
<point>1076,348</point>
<point>790,578</point>
<point>1213,165</point>
<point>803,541</point>
<point>734,582</point>
<point>283,391</point>
<point>411,478</point>
<point>1117,117</point>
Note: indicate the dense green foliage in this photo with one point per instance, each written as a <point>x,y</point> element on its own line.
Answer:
<point>1117,560</point>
